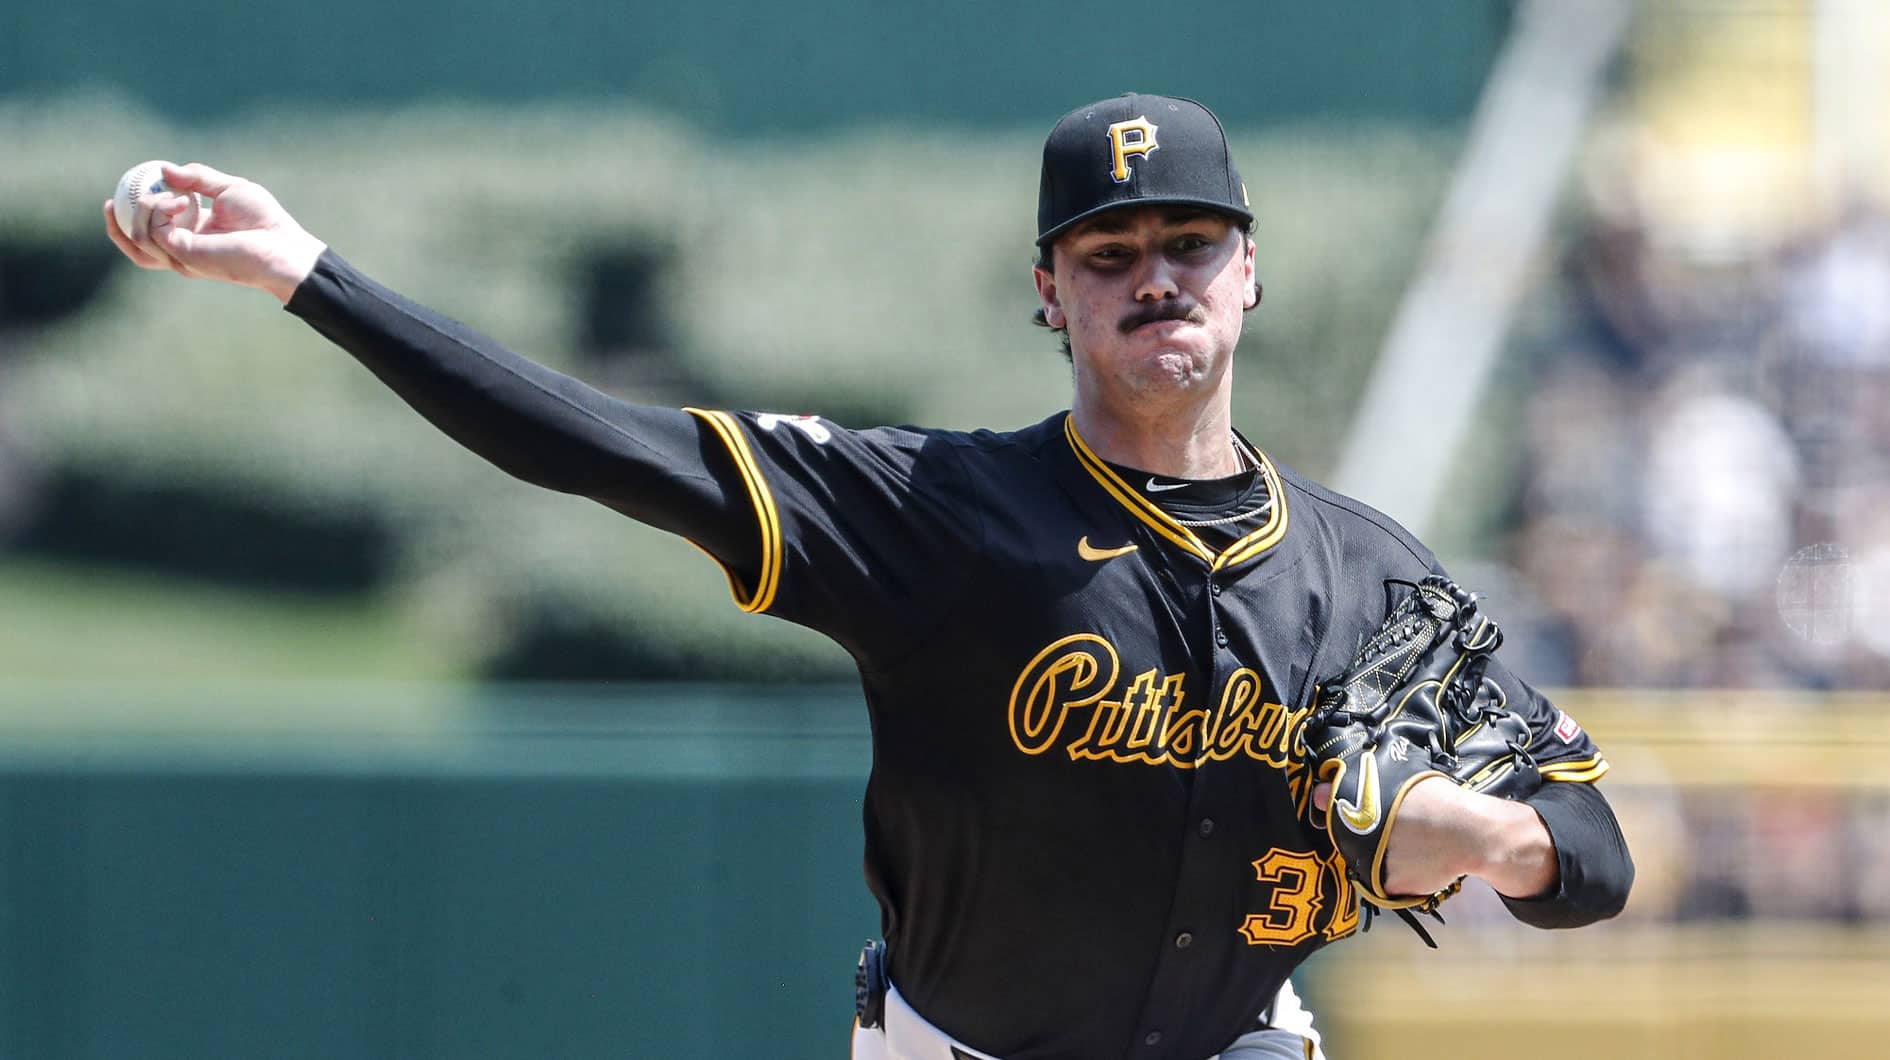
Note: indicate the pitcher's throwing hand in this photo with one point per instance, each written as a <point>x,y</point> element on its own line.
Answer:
<point>244,236</point>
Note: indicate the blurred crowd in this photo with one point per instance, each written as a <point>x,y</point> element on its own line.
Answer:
<point>1705,504</point>
<point>1707,466</point>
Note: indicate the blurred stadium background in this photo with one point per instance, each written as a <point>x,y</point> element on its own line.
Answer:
<point>320,738</point>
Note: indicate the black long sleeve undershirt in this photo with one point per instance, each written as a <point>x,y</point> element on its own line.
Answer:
<point>1596,870</point>
<point>529,421</point>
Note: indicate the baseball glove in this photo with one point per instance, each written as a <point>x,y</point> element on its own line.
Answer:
<point>1413,703</point>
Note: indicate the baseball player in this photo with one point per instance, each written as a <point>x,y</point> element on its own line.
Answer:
<point>1087,645</point>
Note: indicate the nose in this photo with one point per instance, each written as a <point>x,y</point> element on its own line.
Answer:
<point>1157,280</point>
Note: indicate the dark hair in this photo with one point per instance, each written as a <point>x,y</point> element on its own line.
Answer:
<point>1047,261</point>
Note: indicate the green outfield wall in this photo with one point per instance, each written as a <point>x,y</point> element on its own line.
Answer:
<point>413,873</point>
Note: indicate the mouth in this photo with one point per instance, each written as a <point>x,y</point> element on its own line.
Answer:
<point>1161,332</point>
<point>1161,326</point>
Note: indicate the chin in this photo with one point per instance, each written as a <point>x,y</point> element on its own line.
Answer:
<point>1165,364</point>
<point>1175,367</point>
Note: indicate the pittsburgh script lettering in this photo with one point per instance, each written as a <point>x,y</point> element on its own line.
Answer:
<point>1071,695</point>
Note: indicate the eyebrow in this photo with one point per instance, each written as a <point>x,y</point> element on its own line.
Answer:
<point>1112,223</point>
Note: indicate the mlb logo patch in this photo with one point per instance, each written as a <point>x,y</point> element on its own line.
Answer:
<point>1566,728</point>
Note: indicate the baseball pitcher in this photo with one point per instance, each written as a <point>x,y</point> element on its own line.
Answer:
<point>1154,717</point>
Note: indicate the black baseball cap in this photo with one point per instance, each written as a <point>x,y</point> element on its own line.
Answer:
<point>1136,150</point>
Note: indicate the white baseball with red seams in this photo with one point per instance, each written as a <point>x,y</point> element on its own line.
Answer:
<point>139,183</point>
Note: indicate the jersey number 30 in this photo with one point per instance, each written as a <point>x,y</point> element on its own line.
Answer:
<point>1296,881</point>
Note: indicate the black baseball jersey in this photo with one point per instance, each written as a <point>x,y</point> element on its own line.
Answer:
<point>1086,823</point>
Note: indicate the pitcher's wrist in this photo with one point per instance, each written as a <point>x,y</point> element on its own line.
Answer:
<point>1519,854</point>
<point>289,268</point>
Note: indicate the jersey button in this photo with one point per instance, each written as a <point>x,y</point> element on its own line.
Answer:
<point>1220,637</point>
<point>1183,941</point>
<point>1214,588</point>
<point>1207,827</point>
<point>1152,1038</point>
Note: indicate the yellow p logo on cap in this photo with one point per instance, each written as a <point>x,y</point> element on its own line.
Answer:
<point>1127,139</point>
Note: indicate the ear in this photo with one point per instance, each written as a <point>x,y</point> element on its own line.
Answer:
<point>1253,280</point>
<point>1047,293</point>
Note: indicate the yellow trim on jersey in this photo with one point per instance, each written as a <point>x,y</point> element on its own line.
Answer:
<point>1275,529</point>
<point>768,581</point>
<point>1585,771</point>
<point>1127,496</point>
<point>1246,548</point>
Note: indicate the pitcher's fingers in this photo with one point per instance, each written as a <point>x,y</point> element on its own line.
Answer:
<point>142,213</point>
<point>163,204</point>
<point>172,205</point>
<point>178,244</point>
<point>125,245</point>
<point>177,209</point>
<point>198,177</point>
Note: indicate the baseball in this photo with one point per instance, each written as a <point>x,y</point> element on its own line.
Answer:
<point>141,180</point>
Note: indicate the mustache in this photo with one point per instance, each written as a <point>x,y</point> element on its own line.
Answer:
<point>1163,310</point>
